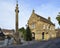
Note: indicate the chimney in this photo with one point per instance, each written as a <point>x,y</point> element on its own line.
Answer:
<point>33,11</point>
<point>49,18</point>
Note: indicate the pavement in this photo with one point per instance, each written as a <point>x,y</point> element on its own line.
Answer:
<point>52,43</point>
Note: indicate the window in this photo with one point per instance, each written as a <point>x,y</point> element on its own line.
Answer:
<point>43,26</point>
<point>47,27</point>
<point>50,28</point>
<point>33,26</point>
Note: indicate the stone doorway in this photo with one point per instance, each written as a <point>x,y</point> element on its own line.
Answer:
<point>42,35</point>
<point>33,35</point>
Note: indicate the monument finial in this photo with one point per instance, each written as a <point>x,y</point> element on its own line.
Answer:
<point>16,1</point>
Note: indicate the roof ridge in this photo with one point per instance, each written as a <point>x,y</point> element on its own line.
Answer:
<point>45,20</point>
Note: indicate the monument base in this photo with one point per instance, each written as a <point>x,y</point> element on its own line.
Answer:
<point>17,39</point>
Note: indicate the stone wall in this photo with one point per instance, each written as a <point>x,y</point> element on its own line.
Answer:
<point>38,27</point>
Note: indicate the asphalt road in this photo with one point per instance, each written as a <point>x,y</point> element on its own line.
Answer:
<point>53,43</point>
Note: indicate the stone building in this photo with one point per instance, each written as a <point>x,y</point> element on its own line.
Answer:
<point>8,32</point>
<point>41,28</point>
<point>57,32</point>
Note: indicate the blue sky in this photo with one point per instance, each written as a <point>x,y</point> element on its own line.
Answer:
<point>45,8</point>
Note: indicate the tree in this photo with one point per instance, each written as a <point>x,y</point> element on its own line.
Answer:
<point>58,18</point>
<point>28,34</point>
<point>22,31</point>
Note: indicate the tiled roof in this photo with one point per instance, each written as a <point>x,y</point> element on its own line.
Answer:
<point>6,30</point>
<point>44,19</point>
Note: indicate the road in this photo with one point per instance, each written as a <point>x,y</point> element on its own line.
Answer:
<point>53,43</point>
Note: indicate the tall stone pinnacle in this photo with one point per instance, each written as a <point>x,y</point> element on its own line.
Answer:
<point>16,24</point>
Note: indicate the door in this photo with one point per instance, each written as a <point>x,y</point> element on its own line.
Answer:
<point>33,35</point>
<point>42,35</point>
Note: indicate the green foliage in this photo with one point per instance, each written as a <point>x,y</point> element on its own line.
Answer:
<point>22,31</point>
<point>58,19</point>
<point>28,34</point>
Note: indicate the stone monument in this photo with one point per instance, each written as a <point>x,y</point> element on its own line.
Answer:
<point>16,35</point>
